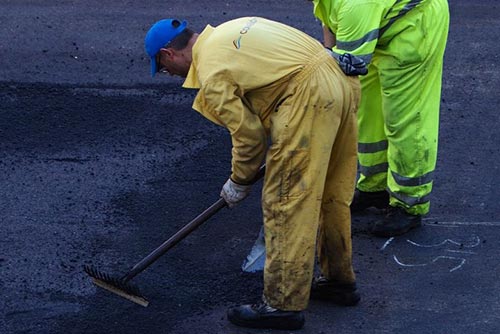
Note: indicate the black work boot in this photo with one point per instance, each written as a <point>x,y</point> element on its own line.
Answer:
<point>343,294</point>
<point>264,316</point>
<point>396,222</point>
<point>363,200</point>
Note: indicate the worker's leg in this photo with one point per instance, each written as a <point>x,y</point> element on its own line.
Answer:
<point>372,146</point>
<point>303,134</point>
<point>337,281</point>
<point>410,74</point>
<point>334,238</point>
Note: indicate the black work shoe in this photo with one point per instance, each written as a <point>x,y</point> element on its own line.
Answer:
<point>363,200</point>
<point>396,222</point>
<point>265,316</point>
<point>343,294</point>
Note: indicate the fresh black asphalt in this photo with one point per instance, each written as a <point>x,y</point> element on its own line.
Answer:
<point>99,164</point>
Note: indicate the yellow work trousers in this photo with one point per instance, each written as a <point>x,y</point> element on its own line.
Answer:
<point>309,183</point>
<point>399,110</point>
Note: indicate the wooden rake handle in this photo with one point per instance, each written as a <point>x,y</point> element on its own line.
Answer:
<point>182,233</point>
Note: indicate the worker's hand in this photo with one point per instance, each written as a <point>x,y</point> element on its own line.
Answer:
<point>352,65</point>
<point>233,192</point>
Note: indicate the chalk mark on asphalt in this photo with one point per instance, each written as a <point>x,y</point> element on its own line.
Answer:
<point>461,252</point>
<point>474,241</point>
<point>441,257</point>
<point>387,243</point>
<point>435,222</point>
<point>475,244</point>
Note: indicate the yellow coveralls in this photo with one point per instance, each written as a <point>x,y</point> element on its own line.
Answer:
<point>263,80</point>
<point>403,42</point>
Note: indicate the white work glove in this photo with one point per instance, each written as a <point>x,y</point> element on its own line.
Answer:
<point>233,192</point>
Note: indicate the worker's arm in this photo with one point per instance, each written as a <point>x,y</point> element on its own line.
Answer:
<point>221,100</point>
<point>358,29</point>
<point>350,64</point>
<point>328,38</point>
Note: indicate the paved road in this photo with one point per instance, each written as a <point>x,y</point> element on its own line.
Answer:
<point>99,164</point>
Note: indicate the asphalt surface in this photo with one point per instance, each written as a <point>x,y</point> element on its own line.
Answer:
<point>99,164</point>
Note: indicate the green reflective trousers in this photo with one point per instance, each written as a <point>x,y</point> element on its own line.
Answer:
<point>399,110</point>
<point>309,183</point>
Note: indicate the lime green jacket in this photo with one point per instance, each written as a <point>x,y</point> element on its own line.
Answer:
<point>360,26</point>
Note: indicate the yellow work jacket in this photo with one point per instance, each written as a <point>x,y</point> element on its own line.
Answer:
<point>242,68</point>
<point>361,25</point>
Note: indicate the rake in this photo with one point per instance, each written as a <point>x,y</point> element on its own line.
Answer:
<point>122,286</point>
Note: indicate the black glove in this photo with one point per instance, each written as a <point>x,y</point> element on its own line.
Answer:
<point>352,65</point>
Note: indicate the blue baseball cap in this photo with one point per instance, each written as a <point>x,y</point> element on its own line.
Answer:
<point>159,35</point>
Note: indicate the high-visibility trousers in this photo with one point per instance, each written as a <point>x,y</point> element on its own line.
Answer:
<point>399,110</point>
<point>309,183</point>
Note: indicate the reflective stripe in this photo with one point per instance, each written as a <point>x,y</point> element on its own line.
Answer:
<point>387,14</point>
<point>410,201</point>
<point>372,170</point>
<point>375,33</point>
<point>409,6</point>
<point>373,147</point>
<point>412,181</point>
<point>366,58</point>
<point>353,45</point>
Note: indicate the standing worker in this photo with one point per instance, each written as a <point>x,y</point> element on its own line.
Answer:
<point>403,42</point>
<point>267,82</point>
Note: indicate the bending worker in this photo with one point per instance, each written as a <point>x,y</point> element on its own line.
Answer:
<point>268,82</point>
<point>403,42</point>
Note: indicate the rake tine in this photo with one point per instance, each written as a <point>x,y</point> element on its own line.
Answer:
<point>116,285</point>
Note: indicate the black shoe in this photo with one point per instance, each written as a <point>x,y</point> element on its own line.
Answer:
<point>363,200</point>
<point>265,316</point>
<point>343,294</point>
<point>396,222</point>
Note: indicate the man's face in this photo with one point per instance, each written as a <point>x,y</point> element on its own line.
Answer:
<point>169,61</point>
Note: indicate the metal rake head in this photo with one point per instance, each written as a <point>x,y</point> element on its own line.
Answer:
<point>116,285</point>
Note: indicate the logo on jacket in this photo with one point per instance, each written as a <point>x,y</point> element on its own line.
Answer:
<point>243,31</point>
<point>237,42</point>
